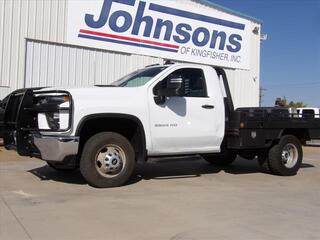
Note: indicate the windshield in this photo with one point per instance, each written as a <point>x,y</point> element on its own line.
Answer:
<point>138,78</point>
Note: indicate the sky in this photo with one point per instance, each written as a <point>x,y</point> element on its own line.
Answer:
<point>290,58</point>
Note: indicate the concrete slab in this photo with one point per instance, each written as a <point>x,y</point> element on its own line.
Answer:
<point>10,226</point>
<point>176,199</point>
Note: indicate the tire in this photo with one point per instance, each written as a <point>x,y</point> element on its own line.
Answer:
<point>60,167</point>
<point>222,159</point>
<point>108,160</point>
<point>285,158</point>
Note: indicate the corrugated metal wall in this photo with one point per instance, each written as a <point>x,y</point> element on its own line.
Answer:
<point>20,19</point>
<point>26,63</point>
<point>61,65</point>
<point>245,85</point>
<point>45,62</point>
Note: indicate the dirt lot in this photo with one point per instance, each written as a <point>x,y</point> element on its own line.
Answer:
<point>177,199</point>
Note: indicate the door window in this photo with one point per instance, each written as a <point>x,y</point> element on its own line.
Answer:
<point>193,78</point>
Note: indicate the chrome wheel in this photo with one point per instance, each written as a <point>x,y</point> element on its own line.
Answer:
<point>110,161</point>
<point>289,155</point>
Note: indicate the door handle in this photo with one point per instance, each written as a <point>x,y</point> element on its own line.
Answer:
<point>208,106</point>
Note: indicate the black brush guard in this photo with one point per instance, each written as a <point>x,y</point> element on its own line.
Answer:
<point>20,121</point>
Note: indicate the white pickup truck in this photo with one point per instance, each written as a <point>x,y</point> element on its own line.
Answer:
<point>161,110</point>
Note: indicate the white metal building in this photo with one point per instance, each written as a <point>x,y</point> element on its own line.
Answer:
<point>34,51</point>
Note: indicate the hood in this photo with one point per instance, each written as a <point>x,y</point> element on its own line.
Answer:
<point>104,92</point>
<point>94,100</point>
<point>97,92</point>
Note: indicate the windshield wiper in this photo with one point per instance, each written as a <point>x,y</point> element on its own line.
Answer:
<point>105,86</point>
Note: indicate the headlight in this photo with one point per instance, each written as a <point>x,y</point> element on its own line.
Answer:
<point>54,113</point>
<point>53,100</point>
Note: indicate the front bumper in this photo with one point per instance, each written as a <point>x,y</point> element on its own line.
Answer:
<point>56,148</point>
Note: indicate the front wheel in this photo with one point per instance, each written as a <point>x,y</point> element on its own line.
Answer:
<point>108,160</point>
<point>285,158</point>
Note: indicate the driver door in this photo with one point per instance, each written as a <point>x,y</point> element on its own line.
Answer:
<point>185,124</point>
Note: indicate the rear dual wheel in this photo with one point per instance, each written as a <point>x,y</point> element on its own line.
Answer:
<point>284,158</point>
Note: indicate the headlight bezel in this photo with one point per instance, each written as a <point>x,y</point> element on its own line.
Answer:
<point>49,105</point>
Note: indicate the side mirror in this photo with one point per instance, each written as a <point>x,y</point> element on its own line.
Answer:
<point>175,87</point>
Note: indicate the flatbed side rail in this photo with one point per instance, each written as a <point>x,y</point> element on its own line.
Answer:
<point>276,118</point>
